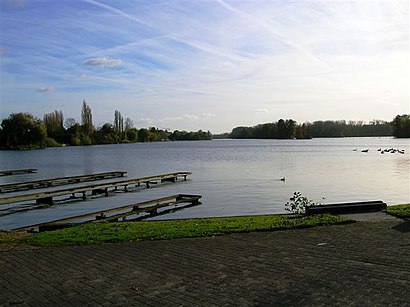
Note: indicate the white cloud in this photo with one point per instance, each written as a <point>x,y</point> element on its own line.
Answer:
<point>104,62</point>
<point>262,111</point>
<point>45,89</point>
<point>227,65</point>
<point>179,118</point>
<point>208,115</point>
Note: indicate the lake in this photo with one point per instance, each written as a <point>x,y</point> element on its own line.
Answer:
<point>235,177</point>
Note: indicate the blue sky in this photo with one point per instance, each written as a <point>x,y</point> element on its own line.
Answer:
<point>205,64</point>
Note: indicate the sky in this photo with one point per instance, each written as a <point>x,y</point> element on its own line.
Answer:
<point>210,65</point>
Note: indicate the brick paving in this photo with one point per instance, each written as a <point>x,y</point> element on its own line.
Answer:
<point>360,264</point>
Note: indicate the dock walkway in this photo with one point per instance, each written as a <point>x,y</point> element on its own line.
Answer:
<point>51,182</point>
<point>150,207</point>
<point>17,171</point>
<point>101,188</point>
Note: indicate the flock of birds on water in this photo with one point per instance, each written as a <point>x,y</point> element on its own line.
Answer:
<point>382,151</point>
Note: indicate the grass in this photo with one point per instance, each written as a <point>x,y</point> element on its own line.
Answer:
<point>159,230</point>
<point>401,211</point>
<point>11,237</point>
<point>9,240</point>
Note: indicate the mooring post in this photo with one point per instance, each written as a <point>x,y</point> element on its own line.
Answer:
<point>195,201</point>
<point>45,201</point>
<point>100,217</point>
<point>106,192</point>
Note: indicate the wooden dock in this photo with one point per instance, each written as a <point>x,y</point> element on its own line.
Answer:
<point>46,197</point>
<point>46,183</point>
<point>151,207</point>
<point>18,171</point>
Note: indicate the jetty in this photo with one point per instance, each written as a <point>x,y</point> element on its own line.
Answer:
<point>151,208</point>
<point>46,183</point>
<point>18,171</point>
<point>47,197</point>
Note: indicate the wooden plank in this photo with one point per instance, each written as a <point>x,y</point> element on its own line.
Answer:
<point>17,171</point>
<point>133,209</point>
<point>84,189</point>
<point>151,208</point>
<point>45,183</point>
<point>350,207</point>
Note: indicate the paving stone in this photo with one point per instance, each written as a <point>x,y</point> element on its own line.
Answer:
<point>361,264</point>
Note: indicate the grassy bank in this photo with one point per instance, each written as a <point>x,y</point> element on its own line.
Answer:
<point>158,230</point>
<point>401,211</point>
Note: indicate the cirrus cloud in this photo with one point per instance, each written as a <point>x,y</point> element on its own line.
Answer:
<point>104,62</point>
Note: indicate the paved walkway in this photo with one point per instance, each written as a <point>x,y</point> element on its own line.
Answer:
<point>360,264</point>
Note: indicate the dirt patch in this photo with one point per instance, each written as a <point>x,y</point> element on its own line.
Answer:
<point>11,241</point>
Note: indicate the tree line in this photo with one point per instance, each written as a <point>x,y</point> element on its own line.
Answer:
<point>283,129</point>
<point>290,129</point>
<point>24,131</point>
<point>401,126</point>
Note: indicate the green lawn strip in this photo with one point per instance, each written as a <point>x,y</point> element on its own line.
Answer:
<point>401,211</point>
<point>12,238</point>
<point>158,230</point>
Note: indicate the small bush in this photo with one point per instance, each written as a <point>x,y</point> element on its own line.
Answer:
<point>50,142</point>
<point>297,203</point>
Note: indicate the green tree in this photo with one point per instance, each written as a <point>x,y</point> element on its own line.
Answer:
<point>401,126</point>
<point>128,125</point>
<point>118,125</point>
<point>143,135</point>
<point>54,126</point>
<point>132,134</point>
<point>23,131</point>
<point>87,119</point>
<point>106,135</point>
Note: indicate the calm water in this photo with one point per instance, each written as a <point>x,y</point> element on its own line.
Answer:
<point>235,177</point>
